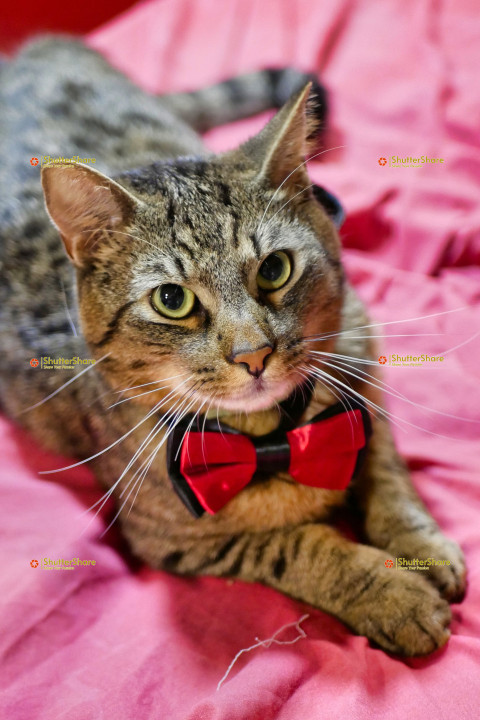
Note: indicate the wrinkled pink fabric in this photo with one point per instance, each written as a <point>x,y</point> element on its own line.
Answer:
<point>119,641</point>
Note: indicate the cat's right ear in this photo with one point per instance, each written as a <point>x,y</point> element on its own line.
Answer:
<point>85,206</point>
<point>279,151</point>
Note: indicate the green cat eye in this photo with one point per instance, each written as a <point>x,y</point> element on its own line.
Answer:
<point>274,271</point>
<point>173,301</point>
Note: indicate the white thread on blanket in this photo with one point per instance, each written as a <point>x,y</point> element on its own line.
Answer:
<point>267,643</point>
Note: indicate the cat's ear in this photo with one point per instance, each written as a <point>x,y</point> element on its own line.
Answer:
<point>85,205</point>
<point>280,149</point>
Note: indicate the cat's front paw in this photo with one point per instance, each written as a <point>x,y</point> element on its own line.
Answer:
<point>447,570</point>
<point>406,616</point>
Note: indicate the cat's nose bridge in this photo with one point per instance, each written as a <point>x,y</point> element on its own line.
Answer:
<point>247,338</point>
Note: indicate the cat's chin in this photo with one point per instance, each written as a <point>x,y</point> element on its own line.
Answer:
<point>255,399</point>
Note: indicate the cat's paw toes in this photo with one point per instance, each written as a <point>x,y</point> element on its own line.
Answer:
<point>408,616</point>
<point>451,578</point>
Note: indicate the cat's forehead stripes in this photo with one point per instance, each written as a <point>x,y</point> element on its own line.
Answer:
<point>196,208</point>
<point>210,232</point>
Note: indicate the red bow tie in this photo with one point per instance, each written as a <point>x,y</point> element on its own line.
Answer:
<point>212,464</point>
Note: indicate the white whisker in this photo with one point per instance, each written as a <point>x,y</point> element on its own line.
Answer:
<point>322,152</point>
<point>300,387</point>
<point>393,418</point>
<point>391,322</point>
<point>145,466</point>
<point>465,342</point>
<point>133,397</point>
<point>67,310</point>
<point>148,463</point>
<point>326,377</point>
<point>188,429</point>
<point>154,382</point>
<point>55,392</point>
<point>384,387</point>
<point>218,424</point>
<point>160,425</point>
<point>109,447</point>
<point>285,205</point>
<point>203,431</point>
<point>364,337</point>
<point>343,399</point>
<point>162,422</point>
<point>344,357</point>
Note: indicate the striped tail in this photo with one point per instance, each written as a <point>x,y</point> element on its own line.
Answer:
<point>244,96</point>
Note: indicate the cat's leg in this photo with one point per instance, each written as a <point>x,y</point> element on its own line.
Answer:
<point>396,520</point>
<point>399,610</point>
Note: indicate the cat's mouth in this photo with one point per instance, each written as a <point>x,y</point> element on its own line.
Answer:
<point>261,394</point>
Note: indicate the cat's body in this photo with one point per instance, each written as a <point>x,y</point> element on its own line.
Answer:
<point>205,223</point>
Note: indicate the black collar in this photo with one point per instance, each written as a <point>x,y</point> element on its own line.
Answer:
<point>292,409</point>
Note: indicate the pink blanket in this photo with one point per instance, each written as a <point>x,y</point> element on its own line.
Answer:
<point>114,640</point>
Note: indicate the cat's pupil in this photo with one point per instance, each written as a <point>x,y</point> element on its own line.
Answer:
<point>272,268</point>
<point>172,296</point>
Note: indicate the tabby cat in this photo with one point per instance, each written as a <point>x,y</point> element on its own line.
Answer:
<point>208,288</point>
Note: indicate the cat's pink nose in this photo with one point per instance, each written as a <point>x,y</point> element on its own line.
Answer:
<point>253,359</point>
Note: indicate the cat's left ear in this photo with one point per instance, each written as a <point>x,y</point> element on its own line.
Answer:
<point>280,149</point>
<point>86,207</point>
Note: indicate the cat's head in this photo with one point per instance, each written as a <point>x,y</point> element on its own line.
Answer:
<point>205,278</point>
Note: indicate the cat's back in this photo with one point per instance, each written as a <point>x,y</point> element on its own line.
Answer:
<point>59,98</point>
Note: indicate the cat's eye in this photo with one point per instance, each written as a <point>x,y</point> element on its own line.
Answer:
<point>173,301</point>
<point>274,271</point>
